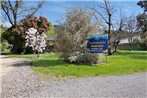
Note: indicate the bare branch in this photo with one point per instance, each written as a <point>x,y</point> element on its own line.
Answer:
<point>99,14</point>
<point>17,9</point>
<point>7,13</point>
<point>40,4</point>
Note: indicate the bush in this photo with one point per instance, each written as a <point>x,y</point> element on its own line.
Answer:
<point>4,45</point>
<point>140,44</point>
<point>89,58</point>
<point>17,35</point>
<point>82,58</point>
<point>72,36</point>
<point>143,44</point>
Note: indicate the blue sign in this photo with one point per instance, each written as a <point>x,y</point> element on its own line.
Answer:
<point>97,43</point>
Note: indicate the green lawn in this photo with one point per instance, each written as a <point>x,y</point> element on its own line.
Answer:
<point>123,62</point>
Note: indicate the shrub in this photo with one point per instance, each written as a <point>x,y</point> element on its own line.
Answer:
<point>72,36</point>
<point>140,44</point>
<point>17,35</point>
<point>143,44</point>
<point>89,58</point>
<point>4,45</point>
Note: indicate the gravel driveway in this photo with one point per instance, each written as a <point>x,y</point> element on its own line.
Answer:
<point>21,82</point>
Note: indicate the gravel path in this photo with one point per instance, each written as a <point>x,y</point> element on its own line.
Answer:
<point>22,83</point>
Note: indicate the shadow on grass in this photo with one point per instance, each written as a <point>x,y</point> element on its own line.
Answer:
<point>56,62</point>
<point>6,53</point>
<point>48,63</point>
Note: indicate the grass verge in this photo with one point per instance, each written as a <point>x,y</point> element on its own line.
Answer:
<point>123,62</point>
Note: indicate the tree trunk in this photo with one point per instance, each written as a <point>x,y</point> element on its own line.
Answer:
<point>130,44</point>
<point>116,46</point>
<point>15,20</point>
<point>38,54</point>
<point>109,37</point>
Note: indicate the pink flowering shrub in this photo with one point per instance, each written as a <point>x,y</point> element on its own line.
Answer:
<point>35,40</point>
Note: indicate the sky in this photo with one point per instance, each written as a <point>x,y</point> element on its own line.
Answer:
<point>55,10</point>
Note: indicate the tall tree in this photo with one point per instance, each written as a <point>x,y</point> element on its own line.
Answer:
<point>106,14</point>
<point>142,19</point>
<point>119,33</point>
<point>16,10</point>
<point>143,4</point>
<point>142,24</point>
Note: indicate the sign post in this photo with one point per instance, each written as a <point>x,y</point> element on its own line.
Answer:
<point>98,43</point>
<point>107,56</point>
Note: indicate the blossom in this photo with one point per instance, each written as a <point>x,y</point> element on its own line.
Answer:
<point>35,40</point>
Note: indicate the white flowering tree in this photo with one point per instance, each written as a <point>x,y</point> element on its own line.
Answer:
<point>35,40</point>
<point>72,36</point>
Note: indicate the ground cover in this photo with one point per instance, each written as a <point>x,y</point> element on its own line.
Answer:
<point>123,62</point>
